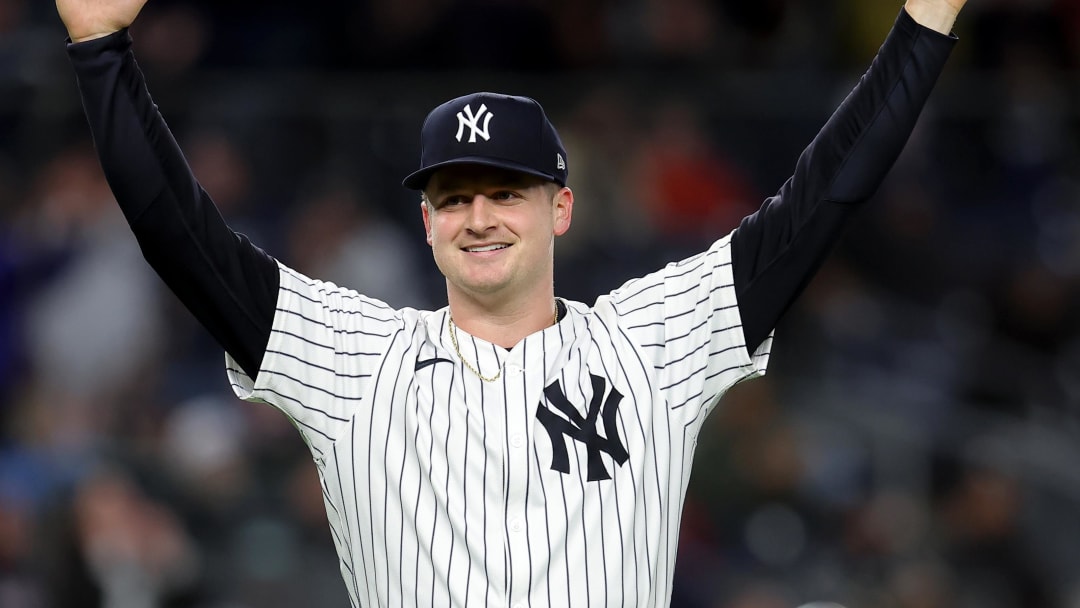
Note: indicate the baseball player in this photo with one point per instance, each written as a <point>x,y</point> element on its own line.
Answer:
<point>512,448</point>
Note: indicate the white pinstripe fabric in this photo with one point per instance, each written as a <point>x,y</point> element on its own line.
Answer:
<point>439,487</point>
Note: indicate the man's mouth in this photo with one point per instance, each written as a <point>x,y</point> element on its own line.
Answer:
<point>483,248</point>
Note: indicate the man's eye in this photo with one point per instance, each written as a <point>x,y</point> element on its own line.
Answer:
<point>503,195</point>
<point>451,201</point>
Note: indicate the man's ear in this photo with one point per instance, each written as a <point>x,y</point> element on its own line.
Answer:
<point>425,211</point>
<point>563,208</point>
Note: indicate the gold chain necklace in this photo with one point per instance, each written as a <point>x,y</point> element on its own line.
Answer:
<point>453,340</point>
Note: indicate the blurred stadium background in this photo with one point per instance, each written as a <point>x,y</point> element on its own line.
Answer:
<point>916,444</point>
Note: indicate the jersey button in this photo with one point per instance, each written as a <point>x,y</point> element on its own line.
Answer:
<point>513,368</point>
<point>517,440</point>
<point>515,526</point>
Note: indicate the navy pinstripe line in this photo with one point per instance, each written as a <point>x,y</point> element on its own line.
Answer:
<point>536,454</point>
<point>707,378</point>
<point>562,489</point>
<point>603,525</point>
<point>305,406</point>
<point>581,481</point>
<point>483,513</point>
<point>683,358</point>
<point>345,517</point>
<point>302,295</point>
<point>401,474</point>
<point>508,560</point>
<point>311,386</point>
<point>327,294</point>
<point>528,478</point>
<point>686,378</point>
<point>372,474</point>
<point>721,330</point>
<point>652,428</point>
<point>687,400</point>
<point>726,349</point>
<point>431,451</point>
<point>643,307</point>
<point>698,267</point>
<point>419,489</point>
<point>326,325</point>
<point>465,503</point>
<point>446,488</point>
<point>666,491</point>
<point>695,286</point>
<point>723,371</point>
<point>344,353</point>
<point>615,478</point>
<point>631,291</point>
<point>695,308</point>
<point>336,374</point>
<point>691,331</point>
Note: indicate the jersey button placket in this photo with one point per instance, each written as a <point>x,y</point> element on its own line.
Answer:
<point>517,462</point>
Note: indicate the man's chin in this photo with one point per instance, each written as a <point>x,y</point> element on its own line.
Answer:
<point>482,286</point>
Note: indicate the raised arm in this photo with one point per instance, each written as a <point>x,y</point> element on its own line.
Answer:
<point>777,250</point>
<point>226,282</point>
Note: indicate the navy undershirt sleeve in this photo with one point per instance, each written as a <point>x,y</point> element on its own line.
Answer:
<point>777,249</point>
<point>229,284</point>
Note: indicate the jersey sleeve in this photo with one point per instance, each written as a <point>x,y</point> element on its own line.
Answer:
<point>325,346</point>
<point>227,283</point>
<point>685,320</point>
<point>778,249</point>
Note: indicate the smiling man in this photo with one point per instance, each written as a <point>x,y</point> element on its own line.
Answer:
<point>512,448</point>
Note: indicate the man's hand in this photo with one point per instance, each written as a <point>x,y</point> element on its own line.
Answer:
<point>938,15</point>
<point>89,19</point>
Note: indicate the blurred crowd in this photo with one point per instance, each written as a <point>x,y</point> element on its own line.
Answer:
<point>915,444</point>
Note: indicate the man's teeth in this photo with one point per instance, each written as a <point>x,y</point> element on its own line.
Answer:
<point>486,248</point>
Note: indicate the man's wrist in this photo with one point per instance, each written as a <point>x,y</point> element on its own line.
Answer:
<point>89,37</point>
<point>937,15</point>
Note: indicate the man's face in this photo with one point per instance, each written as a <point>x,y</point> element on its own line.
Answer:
<point>492,231</point>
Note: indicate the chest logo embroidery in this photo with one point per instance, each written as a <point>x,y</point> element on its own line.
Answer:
<point>583,428</point>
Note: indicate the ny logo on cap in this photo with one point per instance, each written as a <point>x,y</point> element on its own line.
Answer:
<point>467,119</point>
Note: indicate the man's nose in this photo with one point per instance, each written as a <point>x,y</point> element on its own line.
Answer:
<point>481,216</point>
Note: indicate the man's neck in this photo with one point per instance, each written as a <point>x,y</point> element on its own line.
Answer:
<point>505,324</point>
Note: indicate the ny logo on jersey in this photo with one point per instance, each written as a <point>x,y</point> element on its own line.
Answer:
<point>467,119</point>
<point>583,428</point>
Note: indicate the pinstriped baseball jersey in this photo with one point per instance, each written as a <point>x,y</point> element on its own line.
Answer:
<point>561,483</point>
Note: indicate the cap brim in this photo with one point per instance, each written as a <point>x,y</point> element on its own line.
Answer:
<point>418,180</point>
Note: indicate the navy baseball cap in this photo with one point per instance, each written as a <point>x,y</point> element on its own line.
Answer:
<point>490,129</point>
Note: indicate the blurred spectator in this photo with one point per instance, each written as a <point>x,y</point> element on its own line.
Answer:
<point>693,194</point>
<point>95,325</point>
<point>135,548</point>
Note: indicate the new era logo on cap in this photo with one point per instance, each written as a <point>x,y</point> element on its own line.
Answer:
<point>491,129</point>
